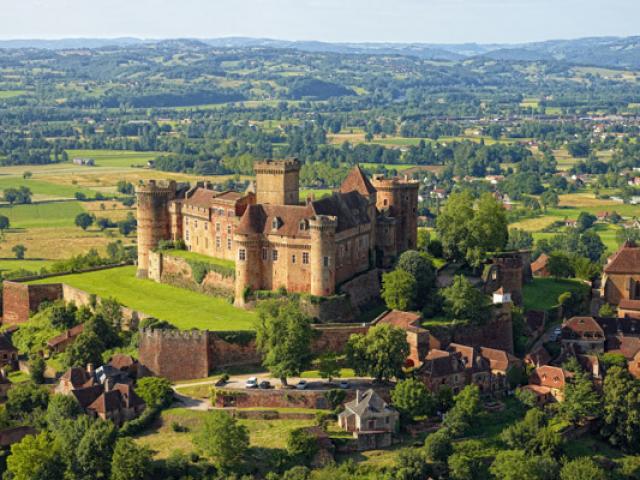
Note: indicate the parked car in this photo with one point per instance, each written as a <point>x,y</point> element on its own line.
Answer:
<point>251,383</point>
<point>344,384</point>
<point>302,385</point>
<point>265,385</point>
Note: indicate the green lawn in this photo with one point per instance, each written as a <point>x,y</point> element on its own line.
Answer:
<point>183,308</point>
<point>543,293</point>
<point>26,264</point>
<point>40,187</point>
<point>54,214</point>
<point>187,255</point>
<point>114,158</point>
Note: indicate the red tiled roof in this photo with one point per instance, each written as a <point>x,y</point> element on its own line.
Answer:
<point>357,181</point>
<point>540,263</point>
<point>498,359</point>
<point>584,325</point>
<point>201,197</point>
<point>76,376</point>
<point>625,260</point>
<point>121,361</point>
<point>63,337</point>
<point>548,376</point>
<point>626,304</point>
<point>401,319</point>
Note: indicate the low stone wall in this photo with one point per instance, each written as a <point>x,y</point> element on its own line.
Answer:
<point>274,398</point>
<point>176,271</point>
<point>270,415</point>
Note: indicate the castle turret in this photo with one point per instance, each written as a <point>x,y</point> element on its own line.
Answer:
<point>323,251</point>
<point>399,197</point>
<point>154,219</point>
<point>278,182</point>
<point>248,266</point>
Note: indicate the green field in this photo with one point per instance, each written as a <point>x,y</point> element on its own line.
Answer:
<point>543,293</point>
<point>11,93</point>
<point>9,265</point>
<point>183,308</point>
<point>43,188</point>
<point>54,214</point>
<point>187,255</point>
<point>114,158</point>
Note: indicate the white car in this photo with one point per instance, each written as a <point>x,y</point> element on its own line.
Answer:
<point>251,383</point>
<point>302,385</point>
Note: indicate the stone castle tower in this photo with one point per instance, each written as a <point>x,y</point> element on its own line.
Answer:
<point>154,219</point>
<point>399,198</point>
<point>278,182</point>
<point>323,249</point>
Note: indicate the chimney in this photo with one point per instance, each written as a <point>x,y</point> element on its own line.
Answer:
<point>358,397</point>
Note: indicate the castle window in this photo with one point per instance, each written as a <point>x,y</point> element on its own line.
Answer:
<point>326,261</point>
<point>264,254</point>
<point>385,202</point>
<point>274,255</point>
<point>242,254</point>
<point>186,235</point>
<point>228,244</point>
<point>218,227</point>
<point>186,220</point>
<point>196,224</point>
<point>228,229</point>
<point>206,225</point>
<point>218,242</point>
<point>293,258</point>
<point>304,225</point>
<point>305,258</point>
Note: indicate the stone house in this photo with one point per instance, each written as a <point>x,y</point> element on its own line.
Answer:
<point>621,275</point>
<point>583,335</point>
<point>547,383</point>
<point>76,378</point>
<point>371,420</point>
<point>60,342</point>
<point>539,267</point>
<point>118,404</point>
<point>443,368</point>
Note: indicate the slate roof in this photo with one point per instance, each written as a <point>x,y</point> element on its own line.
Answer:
<point>350,209</point>
<point>369,402</point>
<point>626,260</point>
<point>87,395</point>
<point>439,363</point>
<point>122,396</point>
<point>78,377</point>
<point>539,356</point>
<point>357,181</point>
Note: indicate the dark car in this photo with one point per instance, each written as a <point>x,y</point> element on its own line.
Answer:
<point>264,385</point>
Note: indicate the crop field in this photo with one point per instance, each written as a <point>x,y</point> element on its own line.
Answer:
<point>183,308</point>
<point>43,190</point>
<point>114,158</point>
<point>53,214</point>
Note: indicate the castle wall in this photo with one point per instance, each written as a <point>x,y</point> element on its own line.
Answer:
<point>20,299</point>
<point>506,272</point>
<point>278,182</point>
<point>174,354</point>
<point>363,290</point>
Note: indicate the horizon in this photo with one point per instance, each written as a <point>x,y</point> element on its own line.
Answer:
<point>330,21</point>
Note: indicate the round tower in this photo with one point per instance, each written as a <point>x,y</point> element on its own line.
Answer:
<point>248,266</point>
<point>154,219</point>
<point>323,255</point>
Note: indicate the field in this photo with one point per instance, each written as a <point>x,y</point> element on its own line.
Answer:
<point>114,158</point>
<point>543,293</point>
<point>11,93</point>
<point>43,190</point>
<point>263,434</point>
<point>183,308</point>
<point>55,214</point>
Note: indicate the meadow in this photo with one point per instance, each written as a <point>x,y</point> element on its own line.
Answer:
<point>115,158</point>
<point>543,293</point>
<point>43,190</point>
<point>183,308</point>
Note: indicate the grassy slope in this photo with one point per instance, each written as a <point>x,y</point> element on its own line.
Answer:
<point>114,158</point>
<point>543,293</point>
<point>201,258</point>
<point>58,214</point>
<point>184,308</point>
<point>43,188</point>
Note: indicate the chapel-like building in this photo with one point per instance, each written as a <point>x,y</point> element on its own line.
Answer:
<point>275,240</point>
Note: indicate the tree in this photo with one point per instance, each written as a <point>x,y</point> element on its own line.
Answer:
<point>84,220</point>
<point>302,445</point>
<point>130,461</point>
<point>328,366</point>
<point>607,311</point>
<point>464,412</point>
<point>155,391</point>
<point>438,446</point>
<point>420,266</point>
<point>222,439</point>
<point>520,465</point>
<point>489,225</point>
<point>466,466</point>
<point>582,468</point>
<point>33,459</point>
<point>94,451</point>
<point>381,353</point>
<point>532,435</point>
<point>412,398</point>
<point>27,175</point>
<point>283,336</point>
<point>585,221</point>
<point>621,400</point>
<point>87,348</point>
<point>519,239</point>
<point>37,367</point>
<point>454,223</point>
<point>559,265</point>
<point>19,251</point>
<point>61,408</point>
<point>581,399</point>
<point>4,222</point>
<point>549,199</point>
<point>411,464</point>
<point>462,301</point>
<point>399,290</point>
<point>26,398</point>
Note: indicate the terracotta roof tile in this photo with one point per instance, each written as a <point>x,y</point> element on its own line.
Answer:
<point>625,260</point>
<point>401,319</point>
<point>626,304</point>
<point>63,337</point>
<point>357,181</point>
<point>540,263</point>
<point>548,376</point>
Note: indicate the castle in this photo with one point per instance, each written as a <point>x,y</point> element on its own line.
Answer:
<point>276,241</point>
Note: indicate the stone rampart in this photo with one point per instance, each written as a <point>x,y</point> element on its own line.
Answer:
<point>20,299</point>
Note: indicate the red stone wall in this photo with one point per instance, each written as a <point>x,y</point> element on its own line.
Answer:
<point>175,355</point>
<point>335,338</point>
<point>226,354</point>
<point>19,299</point>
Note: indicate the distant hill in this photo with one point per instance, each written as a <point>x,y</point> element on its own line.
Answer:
<point>612,52</point>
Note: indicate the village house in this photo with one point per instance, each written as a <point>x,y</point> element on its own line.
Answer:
<point>539,267</point>
<point>118,404</point>
<point>583,335</point>
<point>547,383</point>
<point>537,357</point>
<point>621,275</point>
<point>59,343</point>
<point>371,420</point>
<point>629,309</point>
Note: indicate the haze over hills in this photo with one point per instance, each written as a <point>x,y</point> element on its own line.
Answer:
<point>616,52</point>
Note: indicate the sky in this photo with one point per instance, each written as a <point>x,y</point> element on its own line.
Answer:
<point>428,21</point>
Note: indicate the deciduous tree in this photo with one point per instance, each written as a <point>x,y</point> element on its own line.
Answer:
<point>381,353</point>
<point>223,439</point>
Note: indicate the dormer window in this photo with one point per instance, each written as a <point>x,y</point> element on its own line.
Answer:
<point>304,225</point>
<point>275,223</point>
